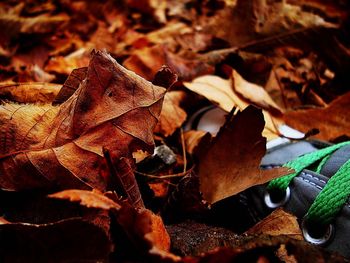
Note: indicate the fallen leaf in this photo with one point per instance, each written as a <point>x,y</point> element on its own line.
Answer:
<point>332,121</point>
<point>220,92</point>
<point>253,93</point>
<point>154,8</point>
<point>193,139</point>
<point>230,164</point>
<point>277,223</point>
<point>13,25</point>
<point>251,20</point>
<point>93,199</point>
<point>65,65</point>
<point>147,61</point>
<point>70,85</point>
<point>46,146</point>
<point>122,178</point>
<point>217,90</point>
<point>172,115</point>
<point>29,92</point>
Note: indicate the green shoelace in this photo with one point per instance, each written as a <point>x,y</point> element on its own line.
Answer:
<point>333,196</point>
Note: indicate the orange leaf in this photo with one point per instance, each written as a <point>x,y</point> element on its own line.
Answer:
<point>332,121</point>
<point>94,199</point>
<point>45,146</point>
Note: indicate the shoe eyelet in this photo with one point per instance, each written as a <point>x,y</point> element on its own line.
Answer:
<point>319,241</point>
<point>273,204</point>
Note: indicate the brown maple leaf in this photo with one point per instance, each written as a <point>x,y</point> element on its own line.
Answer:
<point>45,146</point>
<point>230,164</point>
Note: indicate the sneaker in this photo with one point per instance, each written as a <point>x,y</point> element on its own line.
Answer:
<point>317,193</point>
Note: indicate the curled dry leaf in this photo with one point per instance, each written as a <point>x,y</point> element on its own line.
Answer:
<point>94,199</point>
<point>172,115</point>
<point>332,121</point>
<point>29,92</point>
<point>231,163</point>
<point>278,223</point>
<point>70,85</point>
<point>147,61</point>
<point>220,91</point>
<point>122,179</point>
<point>45,146</point>
<point>255,94</point>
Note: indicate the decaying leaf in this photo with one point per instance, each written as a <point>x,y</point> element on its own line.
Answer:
<point>277,223</point>
<point>45,146</point>
<point>332,121</point>
<point>29,92</point>
<point>230,164</point>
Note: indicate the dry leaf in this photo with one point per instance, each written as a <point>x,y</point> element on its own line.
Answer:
<point>94,199</point>
<point>122,178</point>
<point>155,8</point>
<point>29,92</point>
<point>220,92</point>
<point>172,115</point>
<point>332,121</point>
<point>45,146</point>
<point>147,61</point>
<point>251,20</point>
<point>278,223</point>
<point>230,164</point>
<point>193,139</point>
<point>65,65</point>
<point>255,94</point>
<point>70,85</point>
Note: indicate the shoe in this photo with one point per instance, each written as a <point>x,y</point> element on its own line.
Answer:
<point>317,193</point>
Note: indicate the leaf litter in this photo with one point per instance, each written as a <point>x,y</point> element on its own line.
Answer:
<point>74,115</point>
